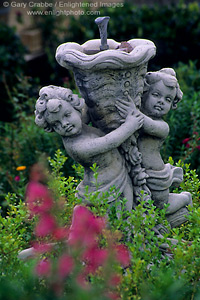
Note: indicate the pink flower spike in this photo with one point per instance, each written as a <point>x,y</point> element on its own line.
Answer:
<point>43,268</point>
<point>38,198</point>
<point>83,216</point>
<point>65,265</point>
<point>85,227</point>
<point>60,233</point>
<point>122,255</point>
<point>17,178</point>
<point>95,258</point>
<point>45,226</point>
<point>186,140</point>
<point>42,247</point>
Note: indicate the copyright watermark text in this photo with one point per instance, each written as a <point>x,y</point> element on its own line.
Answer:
<point>58,8</point>
<point>61,4</point>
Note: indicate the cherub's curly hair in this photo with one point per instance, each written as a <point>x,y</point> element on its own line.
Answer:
<point>168,76</point>
<point>45,104</point>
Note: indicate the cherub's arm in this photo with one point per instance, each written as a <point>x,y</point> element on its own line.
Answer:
<point>158,128</point>
<point>94,146</point>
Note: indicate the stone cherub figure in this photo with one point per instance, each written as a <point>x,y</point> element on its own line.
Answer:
<point>57,109</point>
<point>161,93</point>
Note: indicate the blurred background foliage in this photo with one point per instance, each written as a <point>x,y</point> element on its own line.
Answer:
<point>175,30</point>
<point>12,64</point>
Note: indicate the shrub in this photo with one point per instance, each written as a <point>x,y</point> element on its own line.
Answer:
<point>183,141</point>
<point>152,274</point>
<point>24,143</point>
<point>15,235</point>
<point>12,64</point>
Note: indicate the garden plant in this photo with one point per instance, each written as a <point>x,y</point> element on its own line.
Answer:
<point>58,268</point>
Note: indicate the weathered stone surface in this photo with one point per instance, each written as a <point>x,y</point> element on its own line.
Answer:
<point>125,106</point>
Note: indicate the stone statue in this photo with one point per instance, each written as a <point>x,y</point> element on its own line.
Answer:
<point>125,106</point>
<point>161,93</point>
<point>57,109</point>
<point>105,76</point>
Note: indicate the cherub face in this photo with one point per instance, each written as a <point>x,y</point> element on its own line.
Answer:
<point>66,121</point>
<point>158,100</point>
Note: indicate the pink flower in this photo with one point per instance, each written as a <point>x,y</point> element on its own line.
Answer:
<point>17,178</point>
<point>43,268</point>
<point>122,255</point>
<point>115,280</point>
<point>45,226</point>
<point>186,140</point>
<point>195,132</point>
<point>60,233</point>
<point>65,265</point>
<point>38,198</point>
<point>187,145</point>
<point>94,258</point>
<point>198,147</point>
<point>85,227</point>
<point>42,247</point>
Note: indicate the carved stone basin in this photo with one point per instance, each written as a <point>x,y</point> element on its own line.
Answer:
<point>104,76</point>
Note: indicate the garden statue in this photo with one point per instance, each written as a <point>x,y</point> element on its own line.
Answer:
<point>125,106</point>
<point>59,110</point>
<point>161,93</point>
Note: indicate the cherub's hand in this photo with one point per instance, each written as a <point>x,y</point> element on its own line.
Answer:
<point>126,107</point>
<point>135,119</point>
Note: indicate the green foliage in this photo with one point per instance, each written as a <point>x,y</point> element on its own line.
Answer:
<point>12,64</point>
<point>15,234</point>
<point>156,271</point>
<point>61,186</point>
<point>166,286</point>
<point>184,122</point>
<point>191,181</point>
<point>11,54</point>
<point>24,142</point>
<point>188,77</point>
